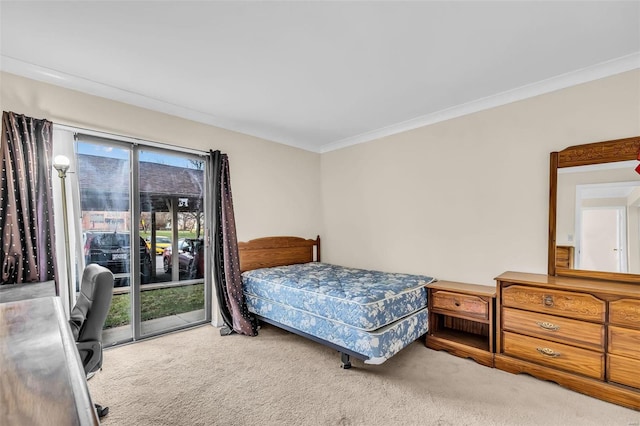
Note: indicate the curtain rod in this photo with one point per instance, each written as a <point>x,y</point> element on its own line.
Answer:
<point>135,141</point>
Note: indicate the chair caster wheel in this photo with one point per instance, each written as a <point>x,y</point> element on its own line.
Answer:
<point>102,411</point>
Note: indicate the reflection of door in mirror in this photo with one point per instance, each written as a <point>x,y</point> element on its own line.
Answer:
<point>591,199</point>
<point>602,234</point>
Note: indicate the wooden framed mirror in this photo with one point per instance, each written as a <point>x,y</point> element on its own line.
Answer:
<point>594,211</point>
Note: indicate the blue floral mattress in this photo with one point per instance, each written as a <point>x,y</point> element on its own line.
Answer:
<point>376,346</point>
<point>363,299</point>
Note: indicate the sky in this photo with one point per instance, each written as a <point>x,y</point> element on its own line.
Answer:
<point>145,156</point>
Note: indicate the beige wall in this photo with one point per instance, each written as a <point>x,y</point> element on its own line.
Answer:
<point>466,199</point>
<point>276,188</point>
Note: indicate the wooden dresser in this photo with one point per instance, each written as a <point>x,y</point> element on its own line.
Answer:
<point>583,334</point>
<point>564,256</point>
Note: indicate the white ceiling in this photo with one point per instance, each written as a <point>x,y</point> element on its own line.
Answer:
<point>318,75</point>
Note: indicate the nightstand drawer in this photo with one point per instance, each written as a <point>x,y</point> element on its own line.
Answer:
<point>462,303</point>
<point>555,302</point>
<point>558,329</point>
<point>624,341</point>
<point>557,355</point>
<point>625,312</point>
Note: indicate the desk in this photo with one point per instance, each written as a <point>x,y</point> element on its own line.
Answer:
<point>42,381</point>
<point>14,292</point>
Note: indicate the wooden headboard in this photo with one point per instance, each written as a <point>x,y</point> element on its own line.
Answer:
<point>277,251</point>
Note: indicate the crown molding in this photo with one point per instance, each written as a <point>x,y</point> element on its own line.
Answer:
<point>83,85</point>
<point>51,76</point>
<point>59,78</point>
<point>584,75</point>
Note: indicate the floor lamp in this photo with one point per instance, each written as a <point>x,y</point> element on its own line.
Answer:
<point>61,164</point>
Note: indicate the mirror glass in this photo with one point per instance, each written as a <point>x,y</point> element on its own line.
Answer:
<point>598,217</point>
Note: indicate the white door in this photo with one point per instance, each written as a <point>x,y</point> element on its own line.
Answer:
<point>601,245</point>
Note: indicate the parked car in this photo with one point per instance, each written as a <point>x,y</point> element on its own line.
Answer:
<point>112,250</point>
<point>190,259</point>
<point>161,244</point>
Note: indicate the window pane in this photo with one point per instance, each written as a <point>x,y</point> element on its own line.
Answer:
<point>171,199</point>
<point>172,221</point>
<point>104,180</point>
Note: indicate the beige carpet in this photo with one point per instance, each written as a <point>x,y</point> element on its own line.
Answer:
<point>197,377</point>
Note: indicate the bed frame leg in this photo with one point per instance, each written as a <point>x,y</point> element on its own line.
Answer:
<point>346,362</point>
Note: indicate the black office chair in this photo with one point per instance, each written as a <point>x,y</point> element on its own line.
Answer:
<point>88,317</point>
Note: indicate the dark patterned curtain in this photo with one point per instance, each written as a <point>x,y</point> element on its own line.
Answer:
<point>26,205</point>
<point>226,261</point>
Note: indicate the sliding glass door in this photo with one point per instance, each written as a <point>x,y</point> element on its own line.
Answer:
<point>171,194</point>
<point>105,198</point>
<point>136,237</point>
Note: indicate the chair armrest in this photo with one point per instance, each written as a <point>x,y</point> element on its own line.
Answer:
<point>90,354</point>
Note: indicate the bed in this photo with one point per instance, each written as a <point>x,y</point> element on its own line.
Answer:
<point>368,315</point>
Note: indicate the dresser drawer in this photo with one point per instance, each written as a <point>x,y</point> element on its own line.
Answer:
<point>564,257</point>
<point>580,333</point>
<point>624,341</point>
<point>625,312</point>
<point>462,303</point>
<point>555,302</point>
<point>623,370</point>
<point>557,355</point>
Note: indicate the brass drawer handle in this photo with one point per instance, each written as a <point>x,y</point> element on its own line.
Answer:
<point>548,352</point>
<point>548,325</point>
<point>547,300</point>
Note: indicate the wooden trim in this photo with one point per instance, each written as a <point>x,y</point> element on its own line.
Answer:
<point>553,197</point>
<point>462,350</point>
<point>268,252</point>
<point>498,325</point>
<point>276,242</point>
<point>597,287</point>
<point>599,275</point>
<point>600,152</point>
<point>472,289</point>
<point>592,387</point>
<point>582,155</point>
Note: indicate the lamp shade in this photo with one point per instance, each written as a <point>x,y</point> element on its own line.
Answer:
<point>61,163</point>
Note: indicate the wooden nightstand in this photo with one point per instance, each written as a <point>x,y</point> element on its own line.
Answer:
<point>461,320</point>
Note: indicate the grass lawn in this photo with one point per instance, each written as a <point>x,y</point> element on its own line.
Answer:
<point>169,233</point>
<point>156,304</point>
